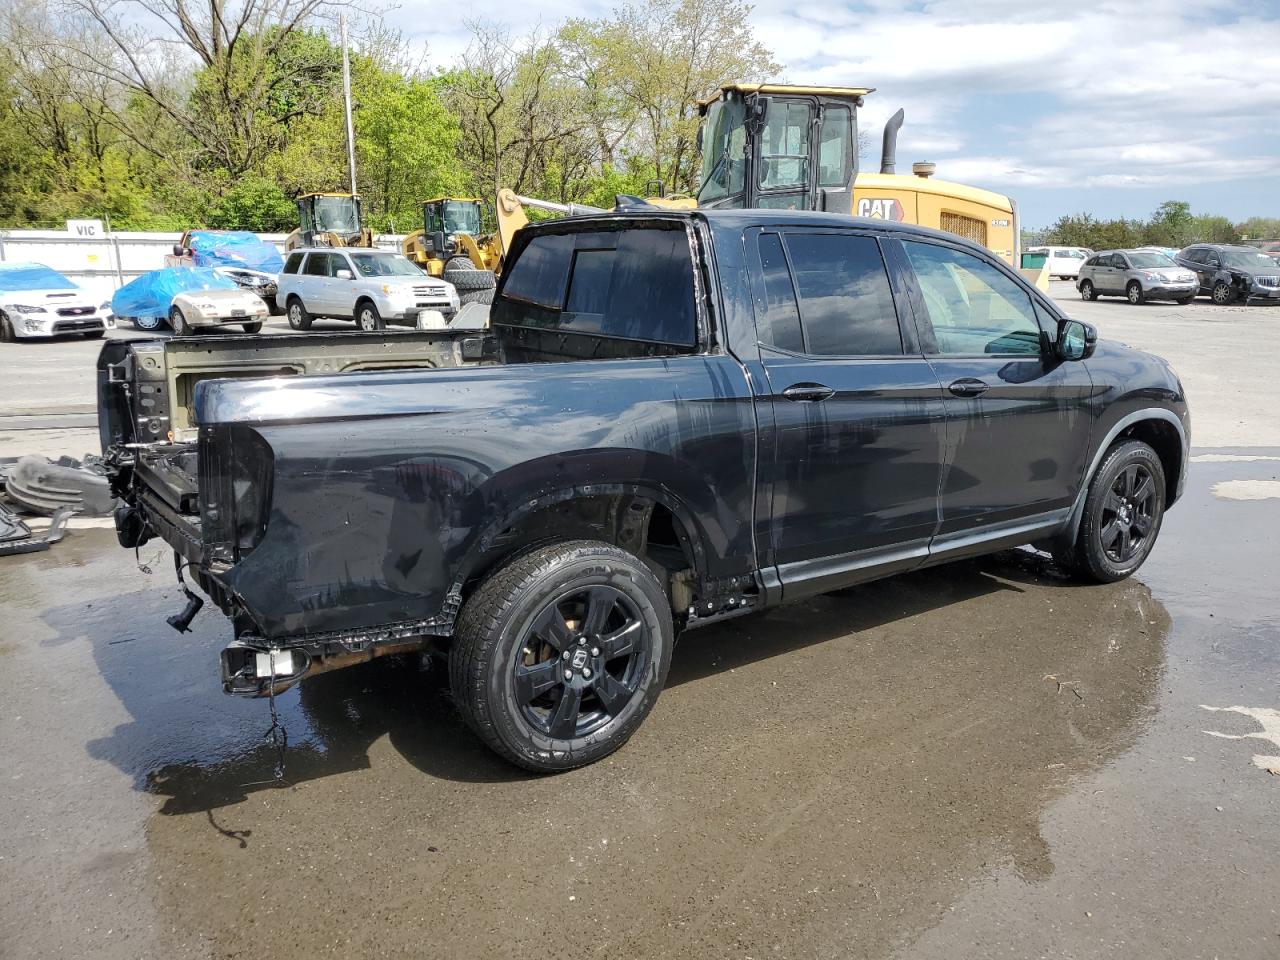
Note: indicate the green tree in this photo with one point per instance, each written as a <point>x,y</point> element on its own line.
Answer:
<point>254,203</point>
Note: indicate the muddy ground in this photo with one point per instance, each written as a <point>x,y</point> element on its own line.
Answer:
<point>977,760</point>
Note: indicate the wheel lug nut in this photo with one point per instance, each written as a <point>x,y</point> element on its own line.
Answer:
<point>586,673</point>
<point>568,674</point>
<point>582,641</point>
<point>595,651</point>
<point>565,655</point>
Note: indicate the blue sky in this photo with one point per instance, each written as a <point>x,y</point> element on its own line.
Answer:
<point>1108,107</point>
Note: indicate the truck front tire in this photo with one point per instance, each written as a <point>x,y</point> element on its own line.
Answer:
<point>299,319</point>
<point>560,654</point>
<point>1122,514</point>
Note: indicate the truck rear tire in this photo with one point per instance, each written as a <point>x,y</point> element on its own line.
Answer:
<point>560,654</point>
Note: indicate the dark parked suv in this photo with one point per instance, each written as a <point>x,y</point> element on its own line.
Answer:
<point>1231,272</point>
<point>676,417</point>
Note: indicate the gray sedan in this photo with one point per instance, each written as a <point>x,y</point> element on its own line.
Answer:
<point>1138,275</point>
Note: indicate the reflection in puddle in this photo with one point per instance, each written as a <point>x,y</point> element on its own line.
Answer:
<point>821,779</point>
<point>1266,718</point>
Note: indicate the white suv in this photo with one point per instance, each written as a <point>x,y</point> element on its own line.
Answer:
<point>372,287</point>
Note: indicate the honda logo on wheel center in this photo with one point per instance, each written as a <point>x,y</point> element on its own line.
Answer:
<point>579,659</point>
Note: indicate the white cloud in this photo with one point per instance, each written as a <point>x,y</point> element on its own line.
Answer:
<point>1014,94</point>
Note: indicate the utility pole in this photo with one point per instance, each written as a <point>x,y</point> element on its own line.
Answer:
<point>346,97</point>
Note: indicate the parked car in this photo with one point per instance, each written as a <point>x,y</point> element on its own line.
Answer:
<point>1231,272</point>
<point>676,417</point>
<point>1062,262</point>
<point>37,303</point>
<point>199,310</point>
<point>256,282</point>
<point>371,287</point>
<point>1137,275</point>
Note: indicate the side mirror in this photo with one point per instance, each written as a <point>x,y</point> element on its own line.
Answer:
<point>435,242</point>
<point>1076,340</point>
<point>697,143</point>
<point>177,250</point>
<point>345,275</point>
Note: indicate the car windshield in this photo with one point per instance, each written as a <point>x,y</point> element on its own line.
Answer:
<point>1150,260</point>
<point>384,265</point>
<point>1248,260</point>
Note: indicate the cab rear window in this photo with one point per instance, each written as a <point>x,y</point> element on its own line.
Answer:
<point>633,284</point>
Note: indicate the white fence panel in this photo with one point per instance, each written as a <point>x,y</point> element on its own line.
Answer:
<point>102,264</point>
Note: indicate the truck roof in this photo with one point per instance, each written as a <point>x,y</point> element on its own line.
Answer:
<point>734,221</point>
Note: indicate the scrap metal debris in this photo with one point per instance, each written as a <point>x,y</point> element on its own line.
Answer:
<point>16,536</point>
<point>42,486</point>
<point>1068,684</point>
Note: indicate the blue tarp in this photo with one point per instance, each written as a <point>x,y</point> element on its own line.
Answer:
<point>151,295</point>
<point>32,276</point>
<point>233,248</point>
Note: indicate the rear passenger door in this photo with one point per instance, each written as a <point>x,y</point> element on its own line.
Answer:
<point>1018,419</point>
<point>852,476</point>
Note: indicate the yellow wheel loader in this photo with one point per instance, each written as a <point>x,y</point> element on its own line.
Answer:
<point>451,229</point>
<point>330,220</point>
<point>796,148</point>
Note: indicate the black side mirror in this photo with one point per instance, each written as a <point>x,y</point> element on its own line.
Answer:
<point>1076,340</point>
<point>177,250</point>
<point>435,242</point>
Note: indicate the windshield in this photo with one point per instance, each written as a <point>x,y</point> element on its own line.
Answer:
<point>1248,260</point>
<point>724,150</point>
<point>1147,261</point>
<point>461,216</point>
<point>337,215</point>
<point>384,265</point>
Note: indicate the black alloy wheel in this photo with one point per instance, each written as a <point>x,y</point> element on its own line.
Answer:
<point>1128,513</point>
<point>581,661</point>
<point>559,655</point>
<point>1121,516</point>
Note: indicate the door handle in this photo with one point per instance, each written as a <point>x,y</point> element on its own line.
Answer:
<point>968,387</point>
<point>807,392</point>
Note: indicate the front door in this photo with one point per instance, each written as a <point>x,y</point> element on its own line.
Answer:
<point>857,412</point>
<point>1018,419</point>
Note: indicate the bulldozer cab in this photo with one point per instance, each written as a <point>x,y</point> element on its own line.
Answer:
<point>331,215</point>
<point>452,216</point>
<point>780,147</point>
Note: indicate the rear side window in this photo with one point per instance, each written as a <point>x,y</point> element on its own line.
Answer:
<point>779,320</point>
<point>846,306</point>
<point>632,284</point>
<point>317,265</point>
<point>291,265</point>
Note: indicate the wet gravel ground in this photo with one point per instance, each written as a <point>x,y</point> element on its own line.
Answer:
<point>976,760</point>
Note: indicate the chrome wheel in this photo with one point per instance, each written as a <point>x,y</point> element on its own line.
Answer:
<point>581,662</point>
<point>1222,293</point>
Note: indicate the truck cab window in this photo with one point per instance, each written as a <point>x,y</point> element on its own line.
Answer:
<point>778,320</point>
<point>846,305</point>
<point>597,288</point>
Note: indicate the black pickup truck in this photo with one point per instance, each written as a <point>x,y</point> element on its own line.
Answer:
<point>673,418</point>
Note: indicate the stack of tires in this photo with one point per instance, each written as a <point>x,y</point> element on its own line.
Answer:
<point>473,284</point>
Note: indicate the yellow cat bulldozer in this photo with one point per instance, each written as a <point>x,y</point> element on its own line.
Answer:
<point>330,220</point>
<point>796,148</point>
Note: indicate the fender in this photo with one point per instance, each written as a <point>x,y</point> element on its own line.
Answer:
<point>1072,526</point>
<point>690,531</point>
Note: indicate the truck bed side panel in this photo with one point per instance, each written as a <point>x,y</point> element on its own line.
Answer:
<point>380,499</point>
